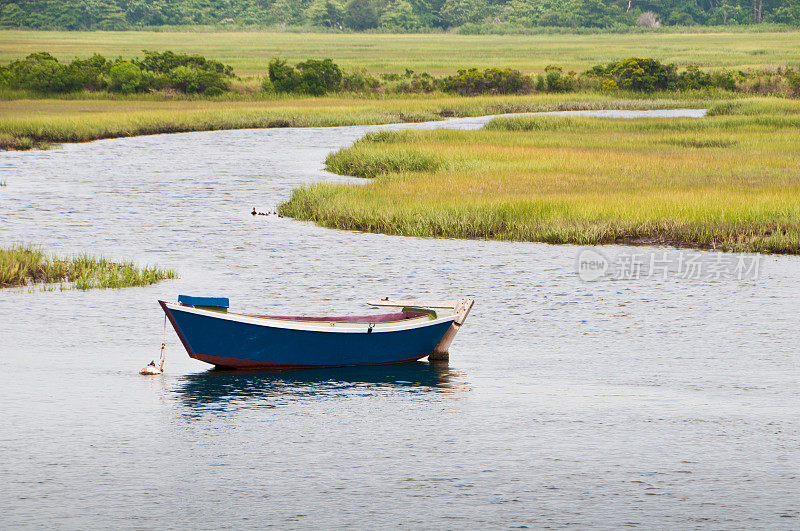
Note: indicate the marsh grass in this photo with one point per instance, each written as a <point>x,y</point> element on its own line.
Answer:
<point>249,52</point>
<point>37,123</point>
<point>730,181</point>
<point>24,265</point>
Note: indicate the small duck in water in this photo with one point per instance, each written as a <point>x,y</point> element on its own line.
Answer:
<point>256,213</point>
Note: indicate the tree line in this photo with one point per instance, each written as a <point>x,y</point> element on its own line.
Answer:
<point>393,15</point>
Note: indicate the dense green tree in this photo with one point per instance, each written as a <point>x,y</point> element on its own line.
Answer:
<point>397,15</point>
<point>522,12</point>
<point>11,15</point>
<point>459,12</point>
<point>327,13</point>
<point>286,12</point>
<point>786,14</point>
<point>361,14</point>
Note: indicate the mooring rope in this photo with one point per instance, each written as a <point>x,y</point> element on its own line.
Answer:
<point>163,346</point>
<point>151,368</point>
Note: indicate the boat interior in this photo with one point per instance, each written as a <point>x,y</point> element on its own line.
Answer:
<point>378,318</point>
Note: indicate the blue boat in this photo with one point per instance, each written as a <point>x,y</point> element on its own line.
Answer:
<point>212,334</point>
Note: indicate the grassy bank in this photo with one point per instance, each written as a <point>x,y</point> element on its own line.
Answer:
<point>250,51</point>
<point>20,266</point>
<point>729,181</point>
<point>28,123</point>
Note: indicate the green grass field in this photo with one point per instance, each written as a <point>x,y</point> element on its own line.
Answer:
<point>249,52</point>
<point>729,181</point>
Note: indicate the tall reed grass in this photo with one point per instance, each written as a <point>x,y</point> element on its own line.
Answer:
<point>23,265</point>
<point>729,181</point>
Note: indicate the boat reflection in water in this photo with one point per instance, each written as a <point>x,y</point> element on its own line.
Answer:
<point>218,389</point>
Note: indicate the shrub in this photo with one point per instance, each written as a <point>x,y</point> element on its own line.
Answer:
<point>165,62</point>
<point>556,81</point>
<point>639,74</point>
<point>724,80</point>
<point>609,85</point>
<point>192,81</point>
<point>318,77</point>
<point>214,90</point>
<point>412,83</point>
<point>359,81</point>
<point>694,78</point>
<point>89,73</point>
<point>793,77</point>
<point>283,77</point>
<point>314,76</point>
<point>41,72</point>
<point>183,78</point>
<point>128,78</point>
<point>491,81</point>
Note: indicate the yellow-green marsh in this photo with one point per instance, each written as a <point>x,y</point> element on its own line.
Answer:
<point>250,51</point>
<point>730,181</point>
<point>23,265</point>
<point>28,123</point>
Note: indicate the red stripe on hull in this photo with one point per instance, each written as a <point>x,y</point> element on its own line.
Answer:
<point>234,363</point>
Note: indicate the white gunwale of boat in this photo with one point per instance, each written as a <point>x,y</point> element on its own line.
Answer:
<point>447,305</point>
<point>317,326</point>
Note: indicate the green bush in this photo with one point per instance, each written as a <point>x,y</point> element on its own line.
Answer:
<point>724,80</point>
<point>283,77</point>
<point>491,81</point>
<point>165,62</point>
<point>639,74</point>
<point>89,73</point>
<point>127,78</point>
<point>318,77</point>
<point>359,81</point>
<point>556,81</point>
<point>411,82</point>
<point>650,75</point>
<point>314,76</point>
<point>192,81</point>
<point>693,78</point>
<point>41,72</point>
<point>793,77</point>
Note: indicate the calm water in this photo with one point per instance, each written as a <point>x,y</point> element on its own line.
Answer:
<point>666,400</point>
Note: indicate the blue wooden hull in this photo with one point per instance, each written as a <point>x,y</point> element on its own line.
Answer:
<point>237,341</point>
